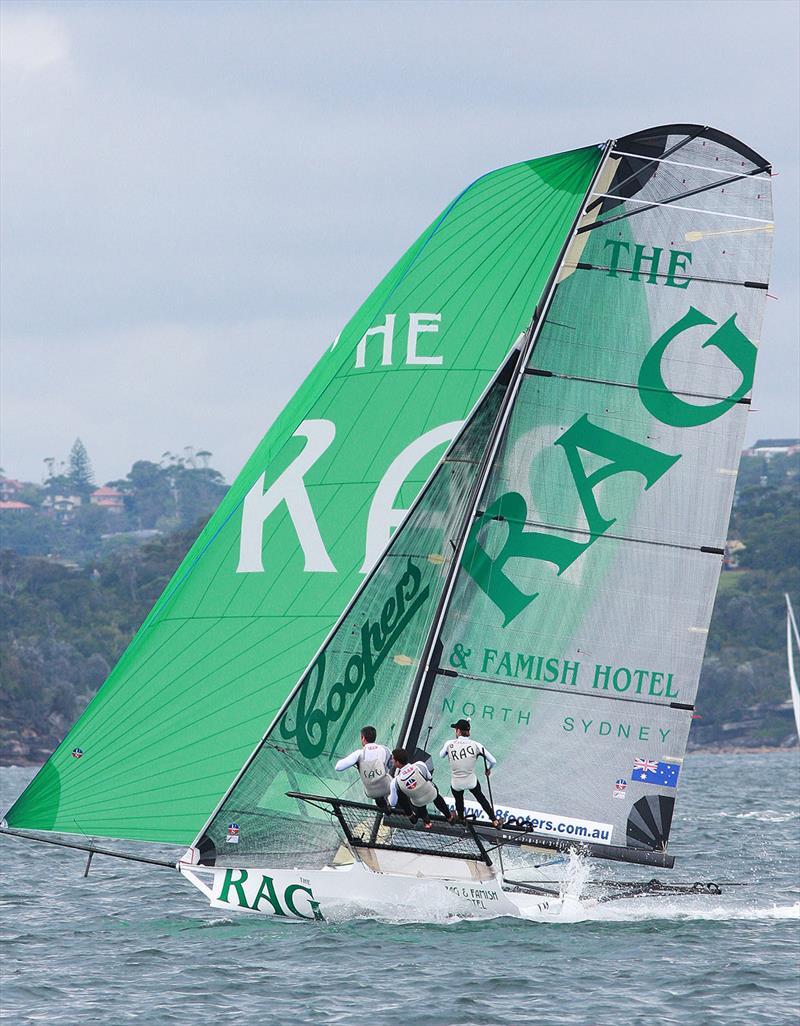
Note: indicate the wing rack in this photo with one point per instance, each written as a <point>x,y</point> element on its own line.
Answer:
<point>365,826</point>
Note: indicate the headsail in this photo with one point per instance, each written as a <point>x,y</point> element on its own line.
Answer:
<point>307,516</point>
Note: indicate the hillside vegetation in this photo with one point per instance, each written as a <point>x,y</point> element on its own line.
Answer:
<point>71,600</point>
<point>744,686</point>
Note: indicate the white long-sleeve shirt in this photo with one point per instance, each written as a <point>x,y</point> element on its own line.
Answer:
<point>463,753</point>
<point>373,762</point>
<point>353,757</point>
<point>419,785</point>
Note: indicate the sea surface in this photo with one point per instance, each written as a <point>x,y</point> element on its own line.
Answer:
<point>133,944</point>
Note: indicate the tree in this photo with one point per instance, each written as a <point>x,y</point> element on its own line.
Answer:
<point>80,469</point>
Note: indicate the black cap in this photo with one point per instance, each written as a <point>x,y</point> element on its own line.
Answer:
<point>463,725</point>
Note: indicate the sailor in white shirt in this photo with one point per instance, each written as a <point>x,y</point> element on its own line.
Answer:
<point>463,753</point>
<point>412,782</point>
<point>374,763</point>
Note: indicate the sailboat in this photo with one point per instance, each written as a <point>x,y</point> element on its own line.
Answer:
<point>501,495</point>
<point>792,645</point>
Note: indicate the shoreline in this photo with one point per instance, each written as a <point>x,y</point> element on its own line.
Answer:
<point>723,749</point>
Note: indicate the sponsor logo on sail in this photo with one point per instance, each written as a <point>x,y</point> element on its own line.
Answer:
<point>319,705</point>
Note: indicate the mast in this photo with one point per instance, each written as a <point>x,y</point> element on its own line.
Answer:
<point>424,679</point>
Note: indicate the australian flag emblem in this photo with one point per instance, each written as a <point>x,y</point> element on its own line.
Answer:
<point>663,774</point>
<point>233,834</point>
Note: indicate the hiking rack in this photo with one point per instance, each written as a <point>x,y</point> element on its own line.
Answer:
<point>367,826</point>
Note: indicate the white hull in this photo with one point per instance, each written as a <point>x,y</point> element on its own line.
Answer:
<point>355,890</point>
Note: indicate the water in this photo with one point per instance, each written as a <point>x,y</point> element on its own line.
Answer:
<point>137,945</point>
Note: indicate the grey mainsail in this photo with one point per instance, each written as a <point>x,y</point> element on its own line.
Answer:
<point>577,627</point>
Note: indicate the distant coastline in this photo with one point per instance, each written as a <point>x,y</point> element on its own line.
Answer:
<point>80,567</point>
<point>742,749</point>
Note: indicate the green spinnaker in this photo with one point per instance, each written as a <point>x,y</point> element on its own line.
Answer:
<point>248,608</point>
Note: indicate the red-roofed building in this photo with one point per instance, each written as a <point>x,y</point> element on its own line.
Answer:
<point>12,504</point>
<point>108,498</point>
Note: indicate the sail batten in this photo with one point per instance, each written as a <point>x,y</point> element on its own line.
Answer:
<point>608,383</point>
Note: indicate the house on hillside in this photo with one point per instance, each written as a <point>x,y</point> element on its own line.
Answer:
<point>9,505</point>
<point>108,498</point>
<point>61,506</point>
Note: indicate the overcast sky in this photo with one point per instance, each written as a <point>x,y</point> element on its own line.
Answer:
<point>197,196</point>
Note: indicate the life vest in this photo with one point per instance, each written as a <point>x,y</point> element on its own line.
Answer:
<point>372,767</point>
<point>462,754</point>
<point>411,782</point>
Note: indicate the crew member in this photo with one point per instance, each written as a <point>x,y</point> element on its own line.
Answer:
<point>374,762</point>
<point>412,782</point>
<point>463,753</point>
